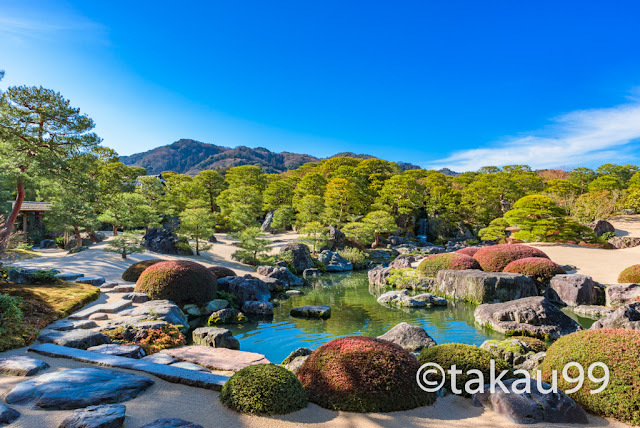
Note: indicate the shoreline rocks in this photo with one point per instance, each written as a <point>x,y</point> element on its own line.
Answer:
<point>476,286</point>
<point>312,311</point>
<point>410,337</point>
<point>574,290</point>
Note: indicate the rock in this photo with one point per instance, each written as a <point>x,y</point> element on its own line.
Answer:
<point>312,311</point>
<point>98,316</point>
<point>189,366</point>
<point>160,358</point>
<point>215,337</point>
<point>628,211</point>
<point>378,275</point>
<point>337,239</point>
<point>8,415</point>
<point>171,423</point>
<point>68,276</point>
<point>217,358</point>
<point>284,277</point>
<point>591,311</point>
<point>601,227</point>
<point>227,316</point>
<point>574,290</point>
<point>24,275</point>
<point>622,242</point>
<point>221,271</point>
<point>477,286</point>
<point>129,351</point>
<point>621,294</point>
<point>215,305</point>
<point>530,316</point>
<point>73,244</point>
<point>311,272</point>
<point>266,224</point>
<point>92,280</point>
<point>258,308</point>
<point>159,310</point>
<point>109,284</point>
<point>402,262</point>
<point>124,288</point>
<point>78,388</point>
<point>411,337</point>
<point>627,317</point>
<point>300,352</point>
<point>212,239</point>
<point>191,310</point>
<point>136,297</point>
<point>18,365</point>
<point>47,243</point>
<point>105,416</point>
<point>80,339</point>
<point>532,361</point>
<point>301,256</point>
<point>402,298</point>
<point>163,241</point>
<point>533,407</point>
<point>296,363</point>
<point>294,293</point>
<point>512,350</point>
<point>245,289</point>
<point>66,325</point>
<point>334,262</point>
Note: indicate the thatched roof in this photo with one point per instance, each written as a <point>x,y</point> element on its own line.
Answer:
<point>33,206</point>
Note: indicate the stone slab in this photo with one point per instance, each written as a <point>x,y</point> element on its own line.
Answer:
<point>105,416</point>
<point>112,308</point>
<point>69,276</point>
<point>20,365</point>
<point>217,358</point>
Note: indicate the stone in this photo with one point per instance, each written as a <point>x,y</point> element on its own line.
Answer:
<point>159,310</point>
<point>8,415</point>
<point>92,280</point>
<point>402,262</point>
<point>600,227</point>
<point>592,311</point>
<point>402,298</point>
<point>80,339</point>
<point>311,272</point>
<point>300,352</point>
<point>627,317</point>
<point>24,275</point>
<point>68,276</point>
<point>215,337</point>
<point>171,423</point>
<point>301,256</point>
<point>73,244</point>
<point>98,316</point>
<point>215,305</point>
<point>78,388</point>
<point>212,239</point>
<point>266,224</point>
<point>227,316</point>
<point>312,311</point>
<point>617,295</point>
<point>136,297</point>
<point>104,416</point>
<point>109,285</point>
<point>189,366</point>
<point>117,306</point>
<point>258,308</point>
<point>296,363</point>
<point>217,358</point>
<point>512,350</point>
<point>530,316</point>
<point>532,361</point>
<point>533,407</point>
<point>411,337</point>
<point>574,289</point>
<point>245,289</point>
<point>622,242</point>
<point>378,275</point>
<point>337,239</point>
<point>47,243</point>
<point>19,365</point>
<point>476,286</point>
<point>334,262</point>
<point>160,358</point>
<point>164,241</point>
<point>284,277</point>
<point>66,325</point>
<point>191,310</point>
<point>124,288</point>
<point>222,272</point>
<point>129,351</point>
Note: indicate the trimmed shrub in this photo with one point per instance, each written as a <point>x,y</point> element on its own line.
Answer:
<point>179,281</point>
<point>430,266</point>
<point>222,272</point>
<point>630,274</point>
<point>134,271</point>
<point>363,374</point>
<point>264,389</point>
<point>496,257</point>
<point>469,251</point>
<point>465,358</point>
<point>541,270</point>
<point>619,350</point>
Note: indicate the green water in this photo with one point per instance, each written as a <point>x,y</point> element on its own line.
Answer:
<point>354,311</point>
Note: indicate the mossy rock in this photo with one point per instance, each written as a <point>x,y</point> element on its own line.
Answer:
<point>226,316</point>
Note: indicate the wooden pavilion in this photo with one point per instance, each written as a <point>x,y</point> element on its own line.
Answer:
<point>34,210</point>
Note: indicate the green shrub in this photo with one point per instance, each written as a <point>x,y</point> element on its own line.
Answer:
<point>230,298</point>
<point>10,321</point>
<point>264,389</point>
<point>134,271</point>
<point>541,270</point>
<point>287,256</point>
<point>355,256</point>
<point>60,242</point>
<point>607,235</point>
<point>44,276</point>
<point>465,358</point>
<point>619,350</point>
<point>430,266</point>
<point>630,274</point>
<point>363,374</point>
<point>179,281</point>
<point>496,257</point>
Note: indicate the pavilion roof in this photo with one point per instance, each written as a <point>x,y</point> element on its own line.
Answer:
<point>33,206</point>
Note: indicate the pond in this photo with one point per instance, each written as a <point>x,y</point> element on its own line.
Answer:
<point>354,311</point>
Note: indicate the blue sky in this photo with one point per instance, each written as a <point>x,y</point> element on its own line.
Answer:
<point>455,84</point>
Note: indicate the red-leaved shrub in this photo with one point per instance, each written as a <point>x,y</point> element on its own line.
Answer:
<point>430,266</point>
<point>363,374</point>
<point>630,274</point>
<point>180,281</point>
<point>496,257</point>
<point>134,271</point>
<point>468,251</point>
<point>538,268</point>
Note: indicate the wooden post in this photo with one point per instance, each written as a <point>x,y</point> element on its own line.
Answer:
<point>40,215</point>
<point>24,221</point>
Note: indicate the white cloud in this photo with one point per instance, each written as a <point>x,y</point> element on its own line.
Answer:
<point>576,138</point>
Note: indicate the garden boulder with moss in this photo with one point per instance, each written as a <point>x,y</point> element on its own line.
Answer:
<point>476,286</point>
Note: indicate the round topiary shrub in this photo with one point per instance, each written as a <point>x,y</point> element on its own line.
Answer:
<point>496,257</point>
<point>630,274</point>
<point>363,374</point>
<point>619,350</point>
<point>264,389</point>
<point>541,270</point>
<point>430,266</point>
<point>179,281</point>
<point>465,358</point>
<point>468,251</point>
<point>134,271</point>
<point>222,272</point>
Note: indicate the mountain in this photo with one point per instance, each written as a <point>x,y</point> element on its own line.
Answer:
<point>190,157</point>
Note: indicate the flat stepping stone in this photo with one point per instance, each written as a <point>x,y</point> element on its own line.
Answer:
<point>160,358</point>
<point>129,351</point>
<point>66,325</point>
<point>112,308</point>
<point>80,339</point>
<point>85,313</point>
<point>169,373</point>
<point>171,423</point>
<point>19,365</point>
<point>78,388</point>
<point>69,276</point>
<point>8,415</point>
<point>105,416</point>
<point>124,288</point>
<point>109,284</point>
<point>189,366</point>
<point>98,316</point>
<point>312,311</point>
<point>137,297</point>
<point>216,358</point>
<point>92,280</point>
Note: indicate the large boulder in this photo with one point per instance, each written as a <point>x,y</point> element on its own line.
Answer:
<point>258,308</point>
<point>402,298</point>
<point>378,275</point>
<point>617,295</point>
<point>411,337</point>
<point>601,227</point>
<point>163,311</point>
<point>245,289</point>
<point>592,311</point>
<point>575,289</point>
<point>516,351</point>
<point>215,337</point>
<point>402,262</point>
<point>163,241</point>
<point>283,276</point>
<point>266,224</point>
<point>530,316</point>
<point>622,242</point>
<point>334,262</point>
<point>627,317</point>
<point>80,339</point>
<point>221,271</point>
<point>105,416</point>
<point>477,286</point>
<point>301,256</point>
<point>337,239</point>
